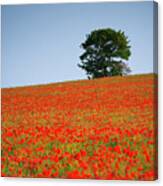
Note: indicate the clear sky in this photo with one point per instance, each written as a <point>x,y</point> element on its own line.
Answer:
<point>41,43</point>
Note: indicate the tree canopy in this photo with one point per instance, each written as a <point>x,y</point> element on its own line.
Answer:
<point>105,52</point>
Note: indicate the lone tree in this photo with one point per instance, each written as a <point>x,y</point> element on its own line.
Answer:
<point>104,51</point>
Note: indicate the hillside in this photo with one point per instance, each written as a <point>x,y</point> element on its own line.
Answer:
<point>99,129</point>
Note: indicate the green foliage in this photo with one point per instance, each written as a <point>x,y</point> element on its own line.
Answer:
<point>49,146</point>
<point>111,144</point>
<point>6,170</point>
<point>104,51</point>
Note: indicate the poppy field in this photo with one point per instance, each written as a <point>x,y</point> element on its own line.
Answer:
<point>104,128</point>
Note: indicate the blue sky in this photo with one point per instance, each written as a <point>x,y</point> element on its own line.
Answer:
<point>41,43</point>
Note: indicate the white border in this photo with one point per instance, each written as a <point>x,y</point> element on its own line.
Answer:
<point>61,182</point>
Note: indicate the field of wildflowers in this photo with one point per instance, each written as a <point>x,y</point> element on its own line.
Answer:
<point>89,129</point>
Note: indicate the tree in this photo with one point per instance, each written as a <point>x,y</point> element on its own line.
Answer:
<point>105,50</point>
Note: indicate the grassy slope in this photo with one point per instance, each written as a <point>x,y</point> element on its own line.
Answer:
<point>107,118</point>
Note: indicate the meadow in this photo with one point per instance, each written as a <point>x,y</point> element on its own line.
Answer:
<point>104,128</point>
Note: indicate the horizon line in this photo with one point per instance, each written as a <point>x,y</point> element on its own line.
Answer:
<point>73,80</point>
